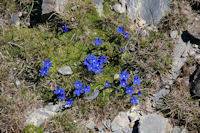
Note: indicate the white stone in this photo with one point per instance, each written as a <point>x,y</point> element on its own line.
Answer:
<point>65,70</point>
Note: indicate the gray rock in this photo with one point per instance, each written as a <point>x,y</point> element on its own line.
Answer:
<point>41,115</point>
<point>99,6</point>
<point>2,90</point>
<point>126,130</point>
<point>90,125</point>
<point>93,95</point>
<point>151,11</point>
<point>118,131</point>
<point>116,76</point>
<point>153,123</point>
<point>173,34</point>
<point>49,6</point>
<point>17,82</point>
<point>120,121</point>
<point>65,70</point>
<point>107,124</point>
<point>176,130</point>
<point>160,95</point>
<point>15,19</point>
<point>131,118</point>
<point>74,8</point>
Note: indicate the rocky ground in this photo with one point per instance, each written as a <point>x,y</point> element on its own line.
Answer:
<point>163,50</point>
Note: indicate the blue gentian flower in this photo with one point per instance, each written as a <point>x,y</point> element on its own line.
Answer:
<point>60,93</point>
<point>46,67</point>
<point>69,102</point>
<point>78,84</point>
<point>107,84</point>
<point>123,75</point>
<point>121,49</point>
<point>86,89</point>
<point>134,100</point>
<point>136,81</point>
<point>129,90</point>
<point>126,35</point>
<point>98,41</point>
<point>65,28</point>
<point>95,63</point>
<point>77,92</point>
<point>139,93</point>
<point>120,30</point>
<point>123,83</point>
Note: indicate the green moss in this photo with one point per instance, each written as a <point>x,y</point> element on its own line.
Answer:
<point>32,129</point>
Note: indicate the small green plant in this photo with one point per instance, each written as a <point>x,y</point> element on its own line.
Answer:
<point>32,129</point>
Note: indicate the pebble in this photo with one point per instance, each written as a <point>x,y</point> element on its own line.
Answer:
<point>65,70</point>
<point>116,76</point>
<point>74,8</point>
<point>17,82</point>
<point>93,95</point>
<point>90,125</point>
<point>173,34</point>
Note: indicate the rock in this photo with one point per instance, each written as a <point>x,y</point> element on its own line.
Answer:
<point>107,124</point>
<point>90,125</point>
<point>195,82</point>
<point>93,95</point>
<point>65,70</point>
<point>126,130</point>
<point>41,115</point>
<point>15,19</point>
<point>17,82</point>
<point>151,11</point>
<point>131,118</point>
<point>118,8</point>
<point>2,90</point>
<point>116,76</point>
<point>120,121</point>
<point>178,130</point>
<point>49,6</point>
<point>154,123</point>
<point>160,94</point>
<point>192,52</point>
<point>74,8</point>
<point>173,34</point>
<point>118,131</point>
<point>99,6</point>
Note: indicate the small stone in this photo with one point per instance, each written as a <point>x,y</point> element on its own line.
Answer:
<point>2,90</point>
<point>174,34</point>
<point>66,70</point>
<point>176,130</point>
<point>118,131</point>
<point>93,95</point>
<point>116,76</point>
<point>74,8</point>
<point>120,121</point>
<point>17,82</point>
<point>154,123</point>
<point>160,94</point>
<point>72,19</point>
<point>90,125</point>
<point>119,8</point>
<point>15,19</point>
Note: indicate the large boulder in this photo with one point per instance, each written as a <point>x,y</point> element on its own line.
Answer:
<point>151,11</point>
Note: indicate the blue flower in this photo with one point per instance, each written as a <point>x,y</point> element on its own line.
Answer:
<point>121,49</point>
<point>86,89</point>
<point>136,81</point>
<point>134,100</point>
<point>123,83</point>
<point>123,75</point>
<point>98,41</point>
<point>95,63</point>
<point>129,90</point>
<point>107,84</point>
<point>120,30</point>
<point>77,92</point>
<point>139,93</point>
<point>69,102</point>
<point>126,35</point>
<point>78,84</point>
<point>65,28</point>
<point>60,93</point>
<point>46,67</point>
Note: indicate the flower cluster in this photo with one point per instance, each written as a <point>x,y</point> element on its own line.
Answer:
<point>46,67</point>
<point>65,28</point>
<point>95,63</point>
<point>130,89</point>
<point>80,88</point>
<point>98,41</point>
<point>121,30</point>
<point>60,93</point>
<point>69,102</point>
